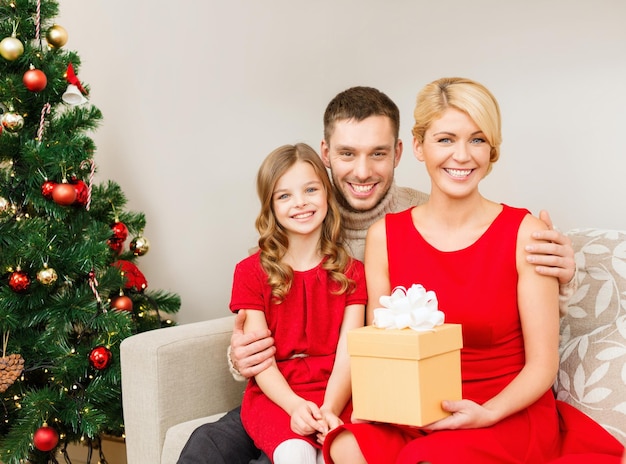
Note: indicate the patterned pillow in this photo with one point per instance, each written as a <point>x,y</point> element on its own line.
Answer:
<point>592,373</point>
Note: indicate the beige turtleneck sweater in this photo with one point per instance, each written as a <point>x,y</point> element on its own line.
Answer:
<point>356,223</point>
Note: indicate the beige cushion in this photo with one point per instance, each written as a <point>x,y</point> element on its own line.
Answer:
<point>592,374</point>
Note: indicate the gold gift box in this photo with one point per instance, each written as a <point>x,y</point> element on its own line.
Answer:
<point>401,376</point>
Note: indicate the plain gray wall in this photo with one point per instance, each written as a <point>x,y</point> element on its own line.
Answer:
<point>196,93</point>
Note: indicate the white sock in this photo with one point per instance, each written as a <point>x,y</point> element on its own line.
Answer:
<point>297,451</point>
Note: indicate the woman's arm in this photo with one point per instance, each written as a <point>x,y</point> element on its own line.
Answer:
<point>552,253</point>
<point>538,303</point>
<point>376,267</point>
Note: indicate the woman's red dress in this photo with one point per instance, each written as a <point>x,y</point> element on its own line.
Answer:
<point>476,287</point>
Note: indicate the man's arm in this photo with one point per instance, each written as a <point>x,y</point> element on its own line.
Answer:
<point>554,257</point>
<point>249,353</point>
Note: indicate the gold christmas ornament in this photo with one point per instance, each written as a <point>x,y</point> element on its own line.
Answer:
<point>139,246</point>
<point>4,204</point>
<point>47,276</point>
<point>12,122</point>
<point>11,48</point>
<point>56,36</point>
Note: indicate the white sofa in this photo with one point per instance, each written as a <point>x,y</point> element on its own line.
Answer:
<point>176,378</point>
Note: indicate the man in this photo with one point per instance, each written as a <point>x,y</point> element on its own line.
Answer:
<point>361,148</point>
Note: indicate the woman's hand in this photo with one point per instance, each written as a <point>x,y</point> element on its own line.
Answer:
<point>466,414</point>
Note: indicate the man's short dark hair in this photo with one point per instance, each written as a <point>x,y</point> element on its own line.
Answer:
<point>359,103</point>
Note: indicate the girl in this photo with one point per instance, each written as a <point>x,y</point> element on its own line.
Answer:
<point>305,288</point>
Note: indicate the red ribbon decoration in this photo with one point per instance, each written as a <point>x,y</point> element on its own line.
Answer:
<point>134,277</point>
<point>70,76</point>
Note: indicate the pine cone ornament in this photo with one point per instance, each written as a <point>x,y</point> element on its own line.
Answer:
<point>11,368</point>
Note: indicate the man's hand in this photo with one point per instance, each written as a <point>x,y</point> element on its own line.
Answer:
<point>251,352</point>
<point>554,257</point>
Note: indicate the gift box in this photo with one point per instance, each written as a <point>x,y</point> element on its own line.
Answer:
<point>401,376</point>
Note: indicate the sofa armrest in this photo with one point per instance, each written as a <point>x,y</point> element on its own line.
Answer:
<point>173,375</point>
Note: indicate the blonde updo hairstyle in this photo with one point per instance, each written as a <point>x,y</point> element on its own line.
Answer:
<point>465,95</point>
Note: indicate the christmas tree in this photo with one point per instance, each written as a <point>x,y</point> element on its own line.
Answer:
<point>70,290</point>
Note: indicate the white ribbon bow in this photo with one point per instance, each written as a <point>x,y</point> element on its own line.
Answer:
<point>414,308</point>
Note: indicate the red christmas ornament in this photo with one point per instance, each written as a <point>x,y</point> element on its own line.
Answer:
<point>100,357</point>
<point>64,194</point>
<point>35,80</point>
<point>19,281</point>
<point>82,192</point>
<point>115,245</point>
<point>120,231</point>
<point>47,188</point>
<point>122,303</point>
<point>134,277</point>
<point>45,438</point>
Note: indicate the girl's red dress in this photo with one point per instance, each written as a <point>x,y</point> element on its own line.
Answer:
<point>305,327</point>
<point>476,287</point>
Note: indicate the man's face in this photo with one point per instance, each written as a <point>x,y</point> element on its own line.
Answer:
<point>362,156</point>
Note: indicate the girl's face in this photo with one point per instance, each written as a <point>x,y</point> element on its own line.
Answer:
<point>299,200</point>
<point>456,153</point>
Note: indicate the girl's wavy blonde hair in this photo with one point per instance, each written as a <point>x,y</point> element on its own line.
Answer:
<point>273,240</point>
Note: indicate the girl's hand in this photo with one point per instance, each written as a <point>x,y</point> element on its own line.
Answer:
<point>466,414</point>
<point>331,421</point>
<point>306,419</point>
